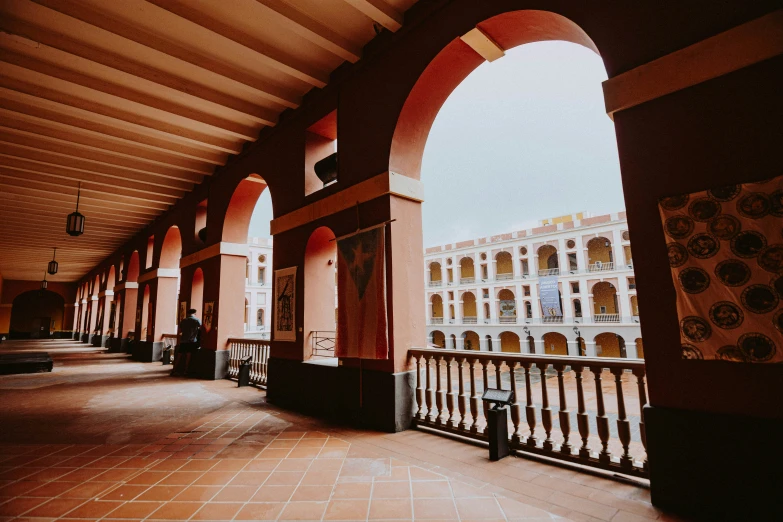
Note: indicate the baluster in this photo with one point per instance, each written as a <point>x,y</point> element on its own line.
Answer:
<point>563,415</point>
<point>582,419</point>
<point>639,373</point>
<point>602,421</point>
<point>623,424</point>
<point>546,412</point>
<point>485,404</point>
<point>515,408</point>
<point>498,378</point>
<point>439,393</point>
<point>419,389</point>
<point>473,396</point>
<point>530,409</point>
<point>428,392</point>
<point>463,398</point>
<point>450,392</point>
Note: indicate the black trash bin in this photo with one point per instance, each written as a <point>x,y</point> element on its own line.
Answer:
<point>243,379</point>
<point>165,356</point>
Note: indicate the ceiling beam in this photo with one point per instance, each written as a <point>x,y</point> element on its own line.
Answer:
<point>270,56</point>
<point>18,196</point>
<point>291,19</point>
<point>96,24</point>
<point>379,11</point>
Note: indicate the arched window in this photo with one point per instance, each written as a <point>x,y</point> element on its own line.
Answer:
<point>260,318</point>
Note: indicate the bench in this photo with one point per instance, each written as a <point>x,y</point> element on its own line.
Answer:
<point>32,362</point>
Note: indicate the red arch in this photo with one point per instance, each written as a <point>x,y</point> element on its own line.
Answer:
<point>171,251</point>
<point>454,63</point>
<point>240,209</point>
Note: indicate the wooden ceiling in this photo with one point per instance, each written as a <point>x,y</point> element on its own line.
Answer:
<point>140,99</point>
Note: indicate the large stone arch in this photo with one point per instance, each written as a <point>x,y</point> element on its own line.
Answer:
<point>236,221</point>
<point>35,314</point>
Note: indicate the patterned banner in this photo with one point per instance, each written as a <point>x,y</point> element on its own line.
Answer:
<point>361,296</point>
<point>550,296</point>
<point>725,249</point>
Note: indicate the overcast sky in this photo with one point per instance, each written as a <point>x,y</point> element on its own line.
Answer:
<point>523,138</point>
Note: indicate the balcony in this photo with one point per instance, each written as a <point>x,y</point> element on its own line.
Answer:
<point>436,320</point>
<point>470,320</point>
<point>451,404</point>
<point>436,283</point>
<point>504,277</point>
<point>606,318</point>
<point>600,267</point>
<point>549,272</point>
<point>467,280</point>
<point>507,320</point>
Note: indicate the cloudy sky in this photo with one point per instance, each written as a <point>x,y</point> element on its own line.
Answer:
<point>523,138</point>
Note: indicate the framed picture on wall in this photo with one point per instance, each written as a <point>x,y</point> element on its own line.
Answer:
<point>183,311</point>
<point>209,315</point>
<point>285,304</point>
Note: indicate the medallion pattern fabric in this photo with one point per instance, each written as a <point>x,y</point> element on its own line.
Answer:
<point>361,296</point>
<point>285,304</point>
<point>725,248</point>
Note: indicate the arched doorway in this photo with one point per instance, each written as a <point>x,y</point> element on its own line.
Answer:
<point>605,302</point>
<point>555,344</point>
<point>438,339</point>
<point>609,344</point>
<point>167,285</point>
<point>548,263</point>
<point>507,307</point>
<point>469,308</point>
<point>467,271</point>
<point>599,254</point>
<point>436,309</point>
<point>509,342</point>
<point>436,274</point>
<point>504,266</point>
<point>320,290</point>
<point>470,341</point>
<point>36,314</point>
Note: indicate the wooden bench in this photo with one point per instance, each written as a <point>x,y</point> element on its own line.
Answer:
<point>32,362</point>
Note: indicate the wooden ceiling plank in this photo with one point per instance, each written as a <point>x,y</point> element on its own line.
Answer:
<point>18,197</point>
<point>301,24</point>
<point>379,11</point>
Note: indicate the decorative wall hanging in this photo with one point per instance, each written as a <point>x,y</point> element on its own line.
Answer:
<point>550,296</point>
<point>285,304</point>
<point>208,318</point>
<point>725,248</point>
<point>183,311</point>
<point>361,295</point>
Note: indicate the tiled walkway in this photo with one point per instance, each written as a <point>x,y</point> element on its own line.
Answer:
<point>101,438</point>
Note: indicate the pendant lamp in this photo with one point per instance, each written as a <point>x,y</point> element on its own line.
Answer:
<point>44,283</point>
<point>53,265</point>
<point>75,226</point>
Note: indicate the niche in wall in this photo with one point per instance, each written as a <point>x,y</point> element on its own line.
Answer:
<point>321,153</point>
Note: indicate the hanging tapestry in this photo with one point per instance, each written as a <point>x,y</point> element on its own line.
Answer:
<point>361,296</point>
<point>285,304</point>
<point>725,248</point>
<point>550,296</point>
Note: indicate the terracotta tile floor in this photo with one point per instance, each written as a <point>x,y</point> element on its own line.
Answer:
<point>102,438</point>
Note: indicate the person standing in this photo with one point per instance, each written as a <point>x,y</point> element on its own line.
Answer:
<point>189,342</point>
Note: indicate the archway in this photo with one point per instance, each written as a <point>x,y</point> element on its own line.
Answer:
<point>453,339</point>
<point>507,307</point>
<point>320,288</point>
<point>470,341</point>
<point>128,299</point>
<point>197,292</point>
<point>438,339</point>
<point>436,309</point>
<point>467,271</point>
<point>436,274</point>
<point>236,222</point>
<point>639,348</point>
<point>504,266</point>
<point>144,319</point>
<point>509,342</point>
<point>599,254</point>
<point>36,314</point>
<point>548,263</point>
<point>469,308</point>
<point>531,344</point>
<point>609,344</point>
<point>167,285</point>
<point>604,301</point>
<point>555,344</point>
<point>634,306</point>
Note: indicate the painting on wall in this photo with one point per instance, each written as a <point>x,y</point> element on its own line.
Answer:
<point>725,248</point>
<point>183,311</point>
<point>209,315</point>
<point>285,304</point>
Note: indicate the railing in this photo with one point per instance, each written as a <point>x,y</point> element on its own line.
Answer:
<point>600,267</point>
<point>549,272</point>
<point>323,343</point>
<point>258,351</point>
<point>467,280</point>
<point>453,404</point>
<point>606,318</point>
<point>436,283</point>
<point>507,320</point>
<point>503,277</point>
<point>436,320</point>
<point>470,320</point>
<point>552,319</point>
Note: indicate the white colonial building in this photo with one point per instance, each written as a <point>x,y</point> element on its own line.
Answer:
<point>485,294</point>
<point>258,287</point>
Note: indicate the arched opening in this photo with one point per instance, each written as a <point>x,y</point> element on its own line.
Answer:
<point>509,342</point>
<point>469,308</point>
<point>260,325</point>
<point>470,341</point>
<point>132,271</point>
<point>197,292</point>
<point>467,271</point>
<point>599,254</point>
<point>453,339</point>
<point>320,289</point>
<point>110,304</point>
<point>488,341</point>
<point>639,348</point>
<point>531,344</point>
<point>548,263</point>
<point>438,339</point>
<point>581,347</point>
<point>634,306</point>
<point>436,274</point>
<point>145,318</point>
<point>451,313</point>
<point>577,308</point>
<point>127,302</point>
<point>555,344</point>
<point>609,344</point>
<point>436,309</point>
<point>168,283</point>
<point>36,314</point>
<point>504,266</point>
<point>487,315</point>
<point>200,225</point>
<point>507,307</point>
<point>605,302</point>
<point>236,223</point>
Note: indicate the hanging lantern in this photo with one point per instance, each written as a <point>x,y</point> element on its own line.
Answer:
<point>53,265</point>
<point>75,226</point>
<point>44,283</point>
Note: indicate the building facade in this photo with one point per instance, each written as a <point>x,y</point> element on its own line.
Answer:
<point>486,294</point>
<point>258,287</point>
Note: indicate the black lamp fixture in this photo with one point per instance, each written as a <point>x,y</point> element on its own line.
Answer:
<point>44,283</point>
<point>75,226</point>
<point>53,265</point>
